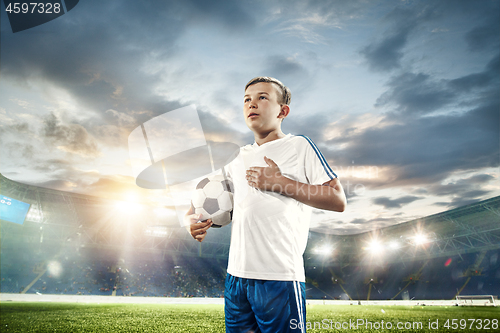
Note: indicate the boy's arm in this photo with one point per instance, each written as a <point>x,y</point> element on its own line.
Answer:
<point>328,196</point>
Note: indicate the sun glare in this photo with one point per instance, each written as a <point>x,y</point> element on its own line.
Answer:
<point>128,207</point>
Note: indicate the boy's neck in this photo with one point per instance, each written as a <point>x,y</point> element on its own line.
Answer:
<point>261,138</point>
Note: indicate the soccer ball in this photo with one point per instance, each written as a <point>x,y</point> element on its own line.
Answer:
<point>213,199</point>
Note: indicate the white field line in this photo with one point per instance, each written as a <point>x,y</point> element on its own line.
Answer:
<point>4,297</point>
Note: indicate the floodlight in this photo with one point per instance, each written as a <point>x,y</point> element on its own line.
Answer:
<point>375,246</point>
<point>34,215</point>
<point>156,231</point>
<point>394,245</point>
<point>324,249</point>
<point>420,239</point>
<point>54,268</point>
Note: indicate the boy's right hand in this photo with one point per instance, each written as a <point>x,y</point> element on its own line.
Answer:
<point>198,229</point>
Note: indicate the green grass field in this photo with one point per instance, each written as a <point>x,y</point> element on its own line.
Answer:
<point>78,317</point>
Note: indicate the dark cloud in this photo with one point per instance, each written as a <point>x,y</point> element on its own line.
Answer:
<point>426,149</point>
<point>16,141</point>
<point>479,179</point>
<point>419,93</point>
<point>484,37</point>
<point>464,199</point>
<point>420,191</point>
<point>394,203</point>
<point>19,128</point>
<point>415,93</point>
<point>386,53</point>
<point>461,186</point>
<point>478,80</point>
<point>462,191</point>
<point>280,66</point>
<point>475,193</point>
<point>469,82</point>
<point>286,69</point>
<point>359,221</point>
<point>14,150</point>
<point>97,52</point>
<point>313,124</point>
<point>232,15</point>
<point>110,135</point>
<point>72,138</point>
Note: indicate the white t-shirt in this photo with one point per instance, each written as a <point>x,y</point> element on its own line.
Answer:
<point>269,230</point>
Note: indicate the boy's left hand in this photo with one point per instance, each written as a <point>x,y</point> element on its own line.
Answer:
<point>265,178</point>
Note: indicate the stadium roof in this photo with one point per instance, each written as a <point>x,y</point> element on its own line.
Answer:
<point>56,217</point>
<point>471,228</point>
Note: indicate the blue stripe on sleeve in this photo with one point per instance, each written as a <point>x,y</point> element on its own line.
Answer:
<point>322,159</point>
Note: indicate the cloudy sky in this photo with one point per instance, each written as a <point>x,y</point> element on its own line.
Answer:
<point>402,97</point>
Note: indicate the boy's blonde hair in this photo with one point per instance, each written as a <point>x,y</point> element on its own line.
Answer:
<point>285,93</point>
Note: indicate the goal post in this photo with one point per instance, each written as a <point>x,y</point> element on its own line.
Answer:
<point>477,300</point>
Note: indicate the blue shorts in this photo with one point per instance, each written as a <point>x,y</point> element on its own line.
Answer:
<point>264,306</point>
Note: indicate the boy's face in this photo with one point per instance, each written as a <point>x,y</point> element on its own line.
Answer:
<point>261,109</point>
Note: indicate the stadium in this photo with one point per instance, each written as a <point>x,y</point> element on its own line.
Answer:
<point>92,256</point>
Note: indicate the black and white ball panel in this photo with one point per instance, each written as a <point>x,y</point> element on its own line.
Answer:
<point>213,198</point>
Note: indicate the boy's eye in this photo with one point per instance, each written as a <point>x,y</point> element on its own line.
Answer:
<point>262,97</point>
<point>246,100</point>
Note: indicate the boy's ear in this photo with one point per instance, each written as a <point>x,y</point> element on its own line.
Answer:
<point>285,110</point>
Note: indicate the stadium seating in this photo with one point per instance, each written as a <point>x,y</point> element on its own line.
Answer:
<point>88,273</point>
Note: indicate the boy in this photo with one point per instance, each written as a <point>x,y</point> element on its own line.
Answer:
<point>276,181</point>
